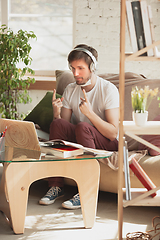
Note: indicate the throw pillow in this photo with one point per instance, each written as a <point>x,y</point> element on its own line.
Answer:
<point>128,75</point>
<point>154,139</point>
<point>130,78</point>
<point>42,114</point>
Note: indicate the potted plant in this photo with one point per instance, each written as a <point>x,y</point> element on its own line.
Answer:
<point>141,99</point>
<point>14,48</point>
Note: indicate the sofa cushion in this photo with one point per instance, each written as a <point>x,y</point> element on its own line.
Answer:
<point>63,78</point>
<point>128,75</point>
<point>153,139</point>
<point>42,114</point>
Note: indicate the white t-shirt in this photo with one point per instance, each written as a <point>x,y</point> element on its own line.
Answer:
<point>103,96</point>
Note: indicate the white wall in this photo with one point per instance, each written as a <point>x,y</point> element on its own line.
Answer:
<point>97,23</point>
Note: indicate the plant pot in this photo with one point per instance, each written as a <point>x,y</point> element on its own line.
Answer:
<point>140,119</point>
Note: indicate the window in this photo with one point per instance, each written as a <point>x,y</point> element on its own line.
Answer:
<point>51,21</point>
<point>0,14</point>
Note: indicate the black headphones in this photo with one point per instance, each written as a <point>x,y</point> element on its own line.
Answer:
<point>93,65</point>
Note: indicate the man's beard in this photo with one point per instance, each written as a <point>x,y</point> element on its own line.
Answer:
<point>83,83</point>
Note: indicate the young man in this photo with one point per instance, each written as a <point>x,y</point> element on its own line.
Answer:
<point>95,105</point>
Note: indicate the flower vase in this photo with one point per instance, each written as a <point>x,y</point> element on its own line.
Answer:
<point>140,119</point>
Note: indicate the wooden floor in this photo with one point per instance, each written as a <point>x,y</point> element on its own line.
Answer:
<point>54,222</point>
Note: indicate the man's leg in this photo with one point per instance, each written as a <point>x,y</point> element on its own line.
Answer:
<point>62,129</point>
<point>89,136</point>
<point>59,129</point>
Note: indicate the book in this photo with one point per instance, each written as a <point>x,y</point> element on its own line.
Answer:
<point>155,50</point>
<point>61,150</point>
<point>137,16</point>
<point>126,171</point>
<point>146,26</point>
<point>131,27</point>
<point>45,146</point>
<point>142,175</point>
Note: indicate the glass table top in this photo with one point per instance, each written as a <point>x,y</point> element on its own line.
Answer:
<point>27,155</point>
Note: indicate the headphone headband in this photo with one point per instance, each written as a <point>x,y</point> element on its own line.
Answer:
<point>89,54</point>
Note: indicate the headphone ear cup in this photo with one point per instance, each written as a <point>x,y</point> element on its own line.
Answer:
<point>69,67</point>
<point>92,67</point>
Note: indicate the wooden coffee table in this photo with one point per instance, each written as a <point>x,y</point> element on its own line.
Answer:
<point>23,165</point>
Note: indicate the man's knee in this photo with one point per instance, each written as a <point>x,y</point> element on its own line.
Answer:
<point>56,126</point>
<point>84,134</point>
<point>57,122</point>
<point>82,127</point>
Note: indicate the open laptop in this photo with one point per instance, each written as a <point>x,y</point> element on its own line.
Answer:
<point>22,137</point>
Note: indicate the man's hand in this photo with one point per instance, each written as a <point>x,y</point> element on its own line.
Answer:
<point>85,105</point>
<point>57,105</point>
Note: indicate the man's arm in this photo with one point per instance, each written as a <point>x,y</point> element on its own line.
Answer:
<point>66,114</point>
<point>108,128</point>
<point>58,110</point>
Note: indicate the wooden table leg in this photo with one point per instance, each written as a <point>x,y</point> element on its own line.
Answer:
<point>19,177</point>
<point>88,186</point>
<point>4,205</point>
<point>17,186</point>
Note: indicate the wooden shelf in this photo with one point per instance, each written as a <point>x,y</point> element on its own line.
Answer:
<point>137,55</point>
<point>139,198</point>
<point>151,127</point>
<point>43,85</point>
<point>129,57</point>
<point>43,82</point>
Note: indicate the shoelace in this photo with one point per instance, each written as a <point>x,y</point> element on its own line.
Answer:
<point>76,198</point>
<point>53,191</point>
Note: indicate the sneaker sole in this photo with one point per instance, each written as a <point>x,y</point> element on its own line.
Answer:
<point>50,202</point>
<point>70,207</point>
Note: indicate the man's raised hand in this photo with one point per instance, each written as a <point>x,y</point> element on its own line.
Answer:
<point>57,105</point>
<point>85,105</point>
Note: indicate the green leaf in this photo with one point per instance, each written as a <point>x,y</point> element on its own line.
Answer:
<point>14,48</point>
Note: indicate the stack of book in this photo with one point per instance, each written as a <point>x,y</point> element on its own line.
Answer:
<point>140,25</point>
<point>65,149</point>
<point>60,149</point>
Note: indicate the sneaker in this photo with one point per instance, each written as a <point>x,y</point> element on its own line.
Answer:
<point>73,203</point>
<point>52,194</point>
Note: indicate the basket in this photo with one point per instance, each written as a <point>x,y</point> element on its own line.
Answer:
<point>146,235</point>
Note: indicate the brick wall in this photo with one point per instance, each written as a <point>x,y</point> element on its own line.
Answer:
<point>97,23</point>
